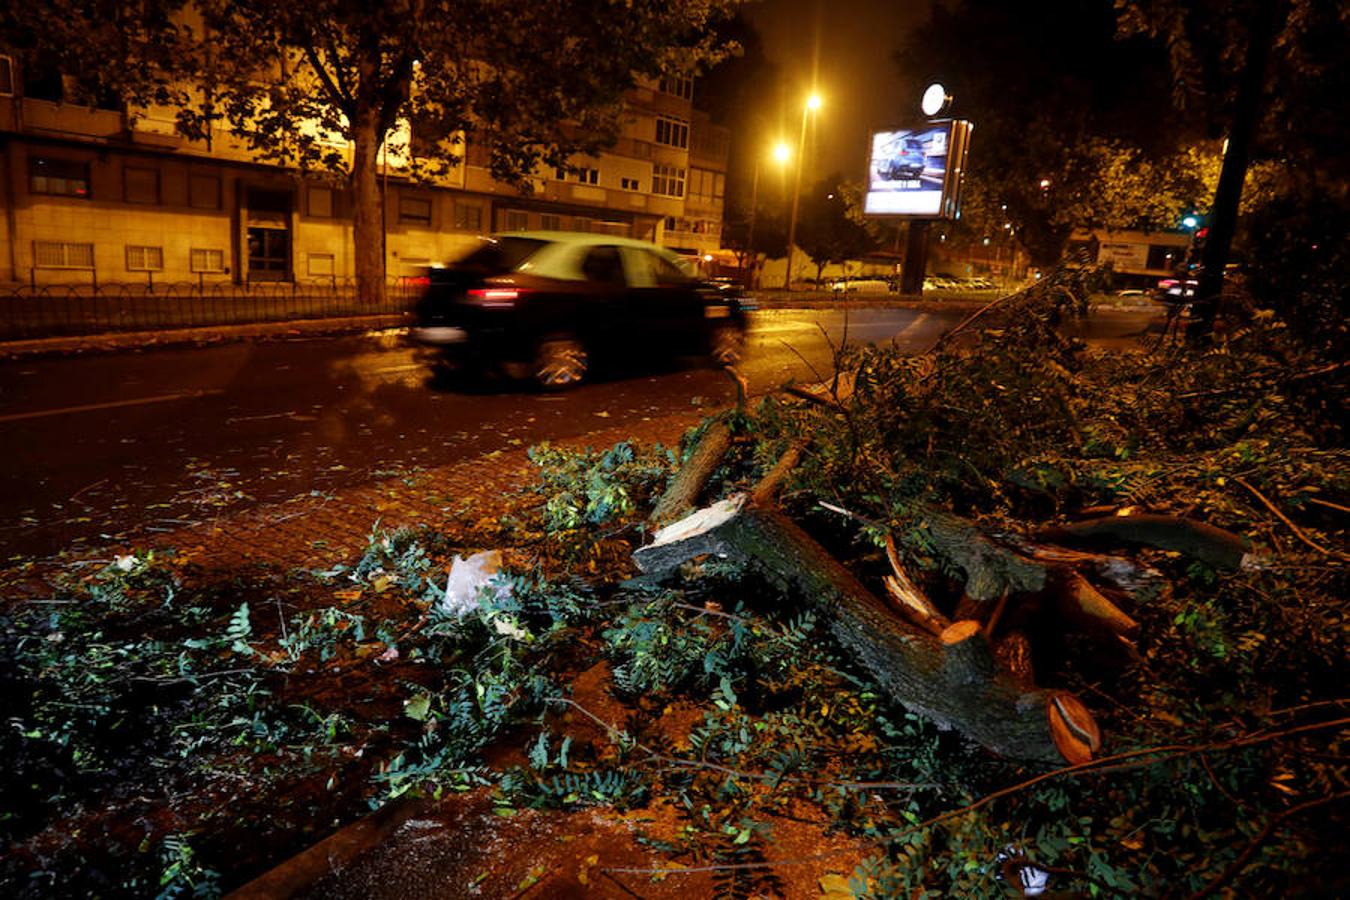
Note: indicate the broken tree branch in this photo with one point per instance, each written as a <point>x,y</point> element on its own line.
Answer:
<point>1207,543</point>
<point>1298,532</point>
<point>953,682</point>
<point>681,494</point>
<point>768,486</point>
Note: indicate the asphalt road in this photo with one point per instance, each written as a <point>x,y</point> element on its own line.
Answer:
<point>99,447</point>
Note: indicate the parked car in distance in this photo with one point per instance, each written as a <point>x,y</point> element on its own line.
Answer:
<point>862,286</point>
<point>546,304</point>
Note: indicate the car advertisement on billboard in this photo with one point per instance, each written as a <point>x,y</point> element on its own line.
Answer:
<point>916,172</point>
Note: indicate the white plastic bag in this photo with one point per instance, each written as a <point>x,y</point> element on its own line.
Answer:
<point>466,577</point>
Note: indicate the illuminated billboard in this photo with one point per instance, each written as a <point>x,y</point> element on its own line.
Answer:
<point>916,172</point>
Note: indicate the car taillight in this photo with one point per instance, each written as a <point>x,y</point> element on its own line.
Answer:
<point>418,281</point>
<point>1167,283</point>
<point>494,298</point>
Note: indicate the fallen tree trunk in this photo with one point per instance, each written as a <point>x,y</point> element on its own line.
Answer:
<point>952,679</point>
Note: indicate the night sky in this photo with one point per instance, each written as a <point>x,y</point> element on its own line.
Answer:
<point>846,45</point>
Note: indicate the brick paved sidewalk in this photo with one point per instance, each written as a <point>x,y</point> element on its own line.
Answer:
<point>318,531</point>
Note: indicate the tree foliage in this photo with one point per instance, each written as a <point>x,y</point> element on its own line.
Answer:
<point>831,228</point>
<point>529,83</point>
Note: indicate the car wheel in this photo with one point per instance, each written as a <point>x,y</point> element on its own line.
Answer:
<point>727,345</point>
<point>560,363</point>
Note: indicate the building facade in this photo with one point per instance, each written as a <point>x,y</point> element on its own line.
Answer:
<point>90,195</point>
<point>1139,257</point>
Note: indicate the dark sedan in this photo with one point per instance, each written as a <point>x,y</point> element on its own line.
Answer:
<point>544,304</point>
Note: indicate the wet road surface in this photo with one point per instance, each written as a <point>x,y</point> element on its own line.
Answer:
<point>96,447</point>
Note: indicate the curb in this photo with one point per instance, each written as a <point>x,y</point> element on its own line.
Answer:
<point>141,340</point>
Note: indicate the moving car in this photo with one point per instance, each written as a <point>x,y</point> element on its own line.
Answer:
<point>544,304</point>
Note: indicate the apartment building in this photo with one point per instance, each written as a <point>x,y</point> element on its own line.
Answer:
<point>93,195</point>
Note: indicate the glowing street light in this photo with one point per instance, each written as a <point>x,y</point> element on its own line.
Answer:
<point>782,152</point>
<point>1189,222</point>
<point>813,103</point>
<point>1045,184</point>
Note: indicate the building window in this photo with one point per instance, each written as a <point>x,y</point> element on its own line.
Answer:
<point>62,255</point>
<point>630,184</point>
<point>516,220</point>
<point>204,191</point>
<point>550,222</point>
<point>678,87</point>
<point>140,185</point>
<point>321,202</point>
<point>1165,257</point>
<point>672,132</point>
<point>560,174</point>
<point>321,264</point>
<point>584,175</point>
<point>468,217</point>
<point>206,260</point>
<point>6,77</point>
<point>145,259</point>
<point>667,180</point>
<point>670,223</point>
<point>59,177</point>
<point>414,210</point>
<point>719,186</point>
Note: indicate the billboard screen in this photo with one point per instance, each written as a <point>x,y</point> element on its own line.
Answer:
<point>916,172</point>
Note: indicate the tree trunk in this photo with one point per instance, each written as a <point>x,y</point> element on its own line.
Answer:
<point>1223,215</point>
<point>368,215</point>
<point>952,678</point>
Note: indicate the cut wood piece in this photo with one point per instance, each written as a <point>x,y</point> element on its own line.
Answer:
<point>1075,732</point>
<point>1013,653</point>
<point>1086,607</point>
<point>941,681</point>
<point>1200,540</point>
<point>681,495</point>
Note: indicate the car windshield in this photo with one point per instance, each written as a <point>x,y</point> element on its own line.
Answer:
<point>499,255</point>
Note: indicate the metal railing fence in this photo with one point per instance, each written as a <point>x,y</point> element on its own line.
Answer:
<point>37,311</point>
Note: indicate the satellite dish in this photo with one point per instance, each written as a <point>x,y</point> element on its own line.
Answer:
<point>935,100</point>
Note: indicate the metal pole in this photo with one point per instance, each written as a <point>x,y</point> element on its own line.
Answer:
<point>796,197</point>
<point>750,235</point>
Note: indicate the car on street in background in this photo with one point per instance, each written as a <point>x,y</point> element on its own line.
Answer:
<point>939,283</point>
<point>1176,290</point>
<point>862,286</point>
<point>545,305</point>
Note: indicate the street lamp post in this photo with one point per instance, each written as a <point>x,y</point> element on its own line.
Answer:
<point>812,104</point>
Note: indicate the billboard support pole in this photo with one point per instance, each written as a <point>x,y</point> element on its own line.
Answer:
<point>916,257</point>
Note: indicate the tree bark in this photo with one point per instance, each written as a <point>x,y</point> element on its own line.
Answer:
<point>954,682</point>
<point>681,494</point>
<point>368,215</point>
